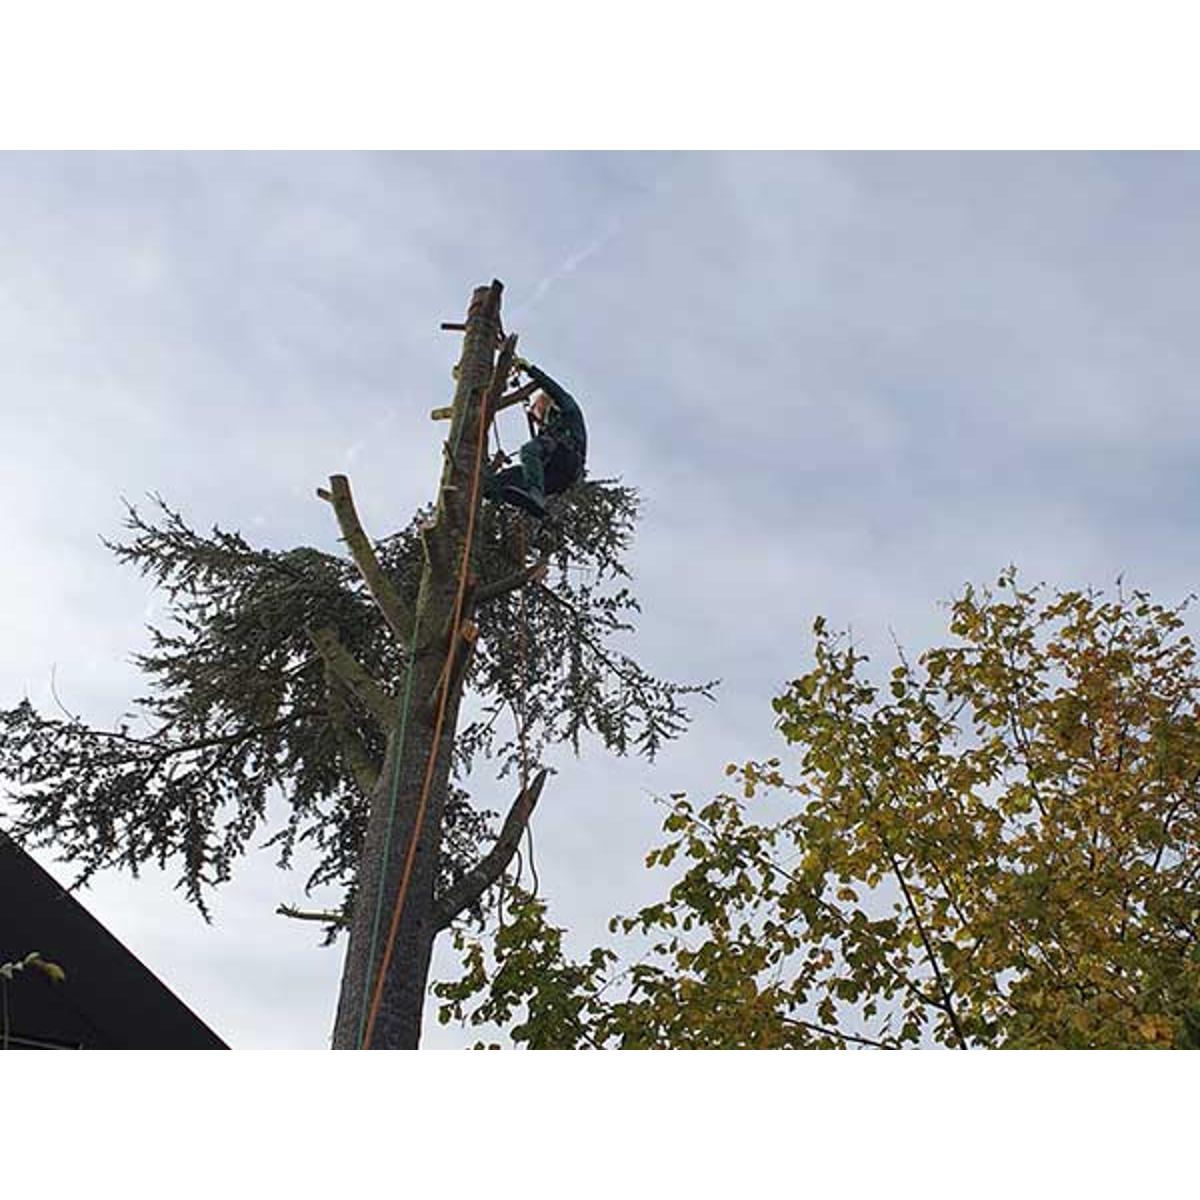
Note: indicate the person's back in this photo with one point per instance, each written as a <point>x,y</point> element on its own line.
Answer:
<point>564,418</point>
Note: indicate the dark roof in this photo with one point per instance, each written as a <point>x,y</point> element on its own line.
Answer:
<point>109,1000</point>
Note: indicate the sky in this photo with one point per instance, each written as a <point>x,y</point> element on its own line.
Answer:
<point>844,384</point>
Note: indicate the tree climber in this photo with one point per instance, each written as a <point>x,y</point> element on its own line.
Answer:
<point>553,459</point>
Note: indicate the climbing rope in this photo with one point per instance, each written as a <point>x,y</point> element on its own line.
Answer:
<point>523,643</point>
<point>532,862</point>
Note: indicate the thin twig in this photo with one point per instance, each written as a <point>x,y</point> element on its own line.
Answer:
<point>206,743</point>
<point>947,1004</point>
<point>846,1037</point>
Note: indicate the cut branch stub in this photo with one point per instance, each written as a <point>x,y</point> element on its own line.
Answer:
<point>395,612</point>
<point>297,914</point>
<point>534,573</point>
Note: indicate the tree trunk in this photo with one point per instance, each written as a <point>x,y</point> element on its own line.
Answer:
<point>396,1021</point>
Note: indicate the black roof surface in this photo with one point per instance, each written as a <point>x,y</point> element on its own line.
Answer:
<point>109,999</point>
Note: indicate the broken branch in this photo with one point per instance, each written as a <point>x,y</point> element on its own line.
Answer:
<point>296,914</point>
<point>467,890</point>
<point>522,393</point>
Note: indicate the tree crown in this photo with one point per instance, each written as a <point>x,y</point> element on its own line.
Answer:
<point>999,846</point>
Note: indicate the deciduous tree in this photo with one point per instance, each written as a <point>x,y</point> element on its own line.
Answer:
<point>996,846</point>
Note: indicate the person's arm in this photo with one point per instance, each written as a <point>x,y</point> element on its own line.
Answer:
<point>553,389</point>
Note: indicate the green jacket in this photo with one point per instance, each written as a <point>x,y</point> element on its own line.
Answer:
<point>564,419</point>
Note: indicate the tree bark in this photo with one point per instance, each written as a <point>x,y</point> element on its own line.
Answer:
<point>397,1021</point>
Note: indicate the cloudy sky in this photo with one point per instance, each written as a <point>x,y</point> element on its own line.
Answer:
<point>844,384</point>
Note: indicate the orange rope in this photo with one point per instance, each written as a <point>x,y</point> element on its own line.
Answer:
<point>410,858</point>
<point>524,644</point>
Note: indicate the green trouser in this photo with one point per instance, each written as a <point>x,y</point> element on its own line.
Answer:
<point>534,466</point>
<point>546,465</point>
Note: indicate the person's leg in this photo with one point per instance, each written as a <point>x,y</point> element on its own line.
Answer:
<point>494,485</point>
<point>533,462</point>
<point>562,470</point>
<point>546,465</point>
<point>523,486</point>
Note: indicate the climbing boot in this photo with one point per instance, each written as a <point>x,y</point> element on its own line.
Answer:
<point>531,500</point>
<point>494,482</point>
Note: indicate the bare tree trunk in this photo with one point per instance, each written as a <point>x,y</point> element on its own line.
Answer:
<point>397,1022</point>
